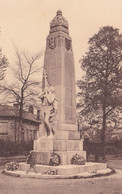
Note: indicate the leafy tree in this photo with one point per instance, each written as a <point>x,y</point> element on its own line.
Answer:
<point>100,96</point>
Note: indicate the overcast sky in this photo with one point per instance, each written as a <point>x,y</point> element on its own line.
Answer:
<point>26,23</point>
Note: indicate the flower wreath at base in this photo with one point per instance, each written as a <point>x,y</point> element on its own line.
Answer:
<point>12,166</point>
<point>55,159</point>
<point>77,159</point>
<point>51,172</point>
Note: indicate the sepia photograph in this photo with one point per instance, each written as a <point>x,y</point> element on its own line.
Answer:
<point>60,97</point>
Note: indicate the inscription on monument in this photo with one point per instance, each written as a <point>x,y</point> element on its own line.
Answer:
<point>69,74</point>
<point>52,70</point>
<point>68,96</point>
<point>69,114</point>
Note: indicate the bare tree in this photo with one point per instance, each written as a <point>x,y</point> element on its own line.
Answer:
<point>24,86</point>
<point>3,66</point>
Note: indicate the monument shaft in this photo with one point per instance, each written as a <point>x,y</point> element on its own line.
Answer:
<point>59,65</point>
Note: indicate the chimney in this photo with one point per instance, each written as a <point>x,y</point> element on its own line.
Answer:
<point>31,109</point>
<point>38,114</point>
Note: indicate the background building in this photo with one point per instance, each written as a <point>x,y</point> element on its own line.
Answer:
<point>9,123</point>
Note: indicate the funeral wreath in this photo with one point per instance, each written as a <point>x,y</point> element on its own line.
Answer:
<point>77,159</point>
<point>55,159</point>
<point>12,166</point>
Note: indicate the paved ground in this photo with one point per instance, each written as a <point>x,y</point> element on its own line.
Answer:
<point>102,185</point>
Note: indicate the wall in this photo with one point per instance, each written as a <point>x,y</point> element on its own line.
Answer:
<point>9,128</point>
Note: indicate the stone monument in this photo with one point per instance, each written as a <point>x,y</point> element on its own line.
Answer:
<point>58,98</point>
<point>58,135</point>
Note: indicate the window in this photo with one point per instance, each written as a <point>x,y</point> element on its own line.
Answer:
<point>22,134</point>
<point>3,128</point>
<point>27,134</point>
<point>34,135</point>
<point>31,134</point>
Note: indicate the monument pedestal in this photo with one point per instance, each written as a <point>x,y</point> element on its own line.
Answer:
<point>65,143</point>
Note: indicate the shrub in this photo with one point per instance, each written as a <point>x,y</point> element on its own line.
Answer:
<point>9,148</point>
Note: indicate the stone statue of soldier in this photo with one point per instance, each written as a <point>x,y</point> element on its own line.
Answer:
<point>49,107</point>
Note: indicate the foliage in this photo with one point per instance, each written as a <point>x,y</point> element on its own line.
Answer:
<point>12,166</point>
<point>95,149</point>
<point>3,66</point>
<point>25,147</point>
<point>9,148</point>
<point>92,148</point>
<point>77,159</point>
<point>100,97</point>
<point>55,159</point>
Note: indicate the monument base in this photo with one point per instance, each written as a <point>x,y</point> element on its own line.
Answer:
<point>66,169</point>
<point>43,157</point>
<point>89,170</point>
<point>65,144</point>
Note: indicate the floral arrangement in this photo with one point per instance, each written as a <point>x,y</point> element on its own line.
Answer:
<point>77,159</point>
<point>55,159</point>
<point>93,171</point>
<point>51,172</point>
<point>12,166</point>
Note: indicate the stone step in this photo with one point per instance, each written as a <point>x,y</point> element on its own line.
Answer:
<point>89,167</point>
<point>38,175</point>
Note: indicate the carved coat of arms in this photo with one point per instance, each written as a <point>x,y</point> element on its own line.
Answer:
<point>52,42</point>
<point>67,44</point>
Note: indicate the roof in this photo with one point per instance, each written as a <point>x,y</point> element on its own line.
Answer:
<point>117,134</point>
<point>11,111</point>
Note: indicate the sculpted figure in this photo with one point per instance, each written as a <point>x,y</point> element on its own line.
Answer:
<point>49,107</point>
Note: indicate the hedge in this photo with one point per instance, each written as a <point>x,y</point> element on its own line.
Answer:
<point>9,148</point>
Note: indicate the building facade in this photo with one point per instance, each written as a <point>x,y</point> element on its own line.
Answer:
<point>9,124</point>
